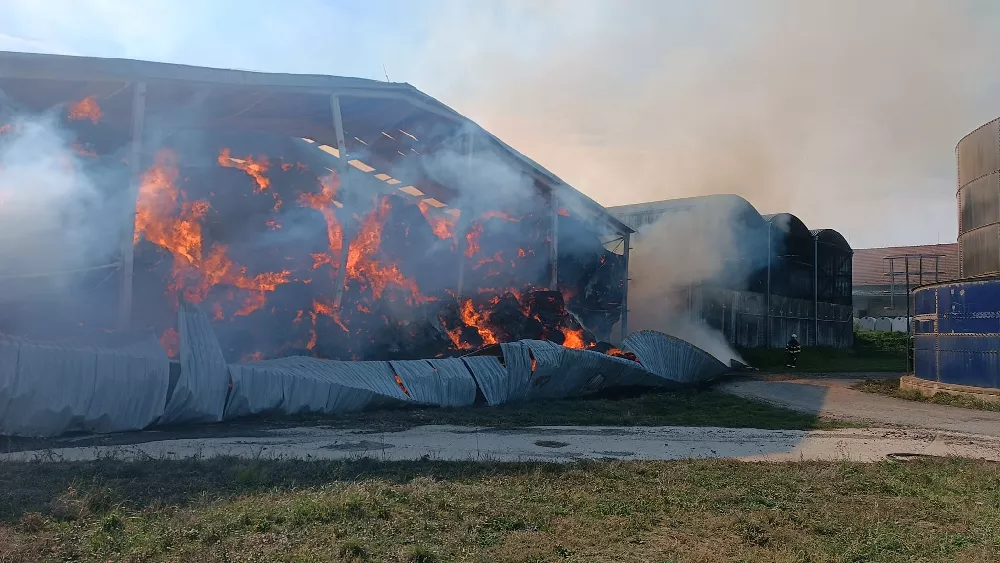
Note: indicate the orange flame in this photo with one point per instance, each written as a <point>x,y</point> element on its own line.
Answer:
<point>254,167</point>
<point>323,202</point>
<point>443,226</point>
<point>177,228</point>
<point>362,264</point>
<point>477,320</point>
<point>86,108</point>
<point>472,239</point>
<point>170,340</point>
<point>563,212</point>
<point>574,338</point>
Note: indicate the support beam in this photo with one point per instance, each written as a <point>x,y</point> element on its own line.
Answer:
<point>767,303</point>
<point>554,243</point>
<point>816,289</point>
<point>128,241</point>
<point>627,238</point>
<point>342,172</point>
<point>469,147</point>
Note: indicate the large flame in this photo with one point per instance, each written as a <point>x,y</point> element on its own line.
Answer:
<point>324,203</point>
<point>363,264</point>
<point>86,108</point>
<point>477,320</point>
<point>255,167</point>
<point>175,225</point>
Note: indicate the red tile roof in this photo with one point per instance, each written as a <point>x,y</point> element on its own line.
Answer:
<point>870,266</point>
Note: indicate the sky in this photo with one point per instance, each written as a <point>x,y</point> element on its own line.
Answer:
<point>845,113</point>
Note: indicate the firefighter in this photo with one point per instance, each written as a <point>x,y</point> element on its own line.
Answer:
<point>792,350</point>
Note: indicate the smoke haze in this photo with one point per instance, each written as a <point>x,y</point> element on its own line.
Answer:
<point>48,204</point>
<point>845,113</point>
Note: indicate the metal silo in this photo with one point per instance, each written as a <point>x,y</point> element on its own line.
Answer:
<point>978,158</point>
<point>957,323</point>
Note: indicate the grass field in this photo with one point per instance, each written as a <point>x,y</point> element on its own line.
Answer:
<point>872,352</point>
<point>891,388</point>
<point>628,407</point>
<point>425,511</point>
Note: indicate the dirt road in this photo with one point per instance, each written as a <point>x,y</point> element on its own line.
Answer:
<point>557,444</point>
<point>833,397</point>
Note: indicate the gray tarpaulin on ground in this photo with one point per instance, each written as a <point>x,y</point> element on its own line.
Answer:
<point>200,392</point>
<point>490,376</point>
<point>116,384</point>
<point>444,383</point>
<point>672,358</point>
<point>308,385</point>
<point>122,382</point>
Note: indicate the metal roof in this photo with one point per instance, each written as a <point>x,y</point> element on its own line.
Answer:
<point>276,102</point>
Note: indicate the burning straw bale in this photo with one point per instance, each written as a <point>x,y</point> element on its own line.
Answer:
<point>259,240</point>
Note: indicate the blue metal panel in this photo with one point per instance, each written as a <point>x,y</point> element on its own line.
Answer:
<point>958,339</point>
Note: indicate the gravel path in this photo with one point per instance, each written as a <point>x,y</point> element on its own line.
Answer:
<point>832,397</point>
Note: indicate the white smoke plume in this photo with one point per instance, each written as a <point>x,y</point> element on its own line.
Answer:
<point>54,218</point>
<point>680,250</point>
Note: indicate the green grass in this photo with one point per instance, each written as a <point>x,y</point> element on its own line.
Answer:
<point>425,511</point>
<point>891,388</point>
<point>630,407</point>
<point>872,352</point>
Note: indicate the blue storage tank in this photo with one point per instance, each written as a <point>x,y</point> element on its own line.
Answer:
<point>957,332</point>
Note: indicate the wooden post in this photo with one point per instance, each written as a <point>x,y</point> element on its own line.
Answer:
<point>128,240</point>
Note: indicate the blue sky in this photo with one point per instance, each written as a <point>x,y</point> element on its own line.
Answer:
<point>845,113</point>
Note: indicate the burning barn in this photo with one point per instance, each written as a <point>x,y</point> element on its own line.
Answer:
<point>186,244</point>
<point>331,217</point>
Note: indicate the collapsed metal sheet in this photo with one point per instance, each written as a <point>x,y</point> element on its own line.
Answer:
<point>200,392</point>
<point>49,389</point>
<point>491,377</point>
<point>445,383</point>
<point>308,385</point>
<point>672,358</point>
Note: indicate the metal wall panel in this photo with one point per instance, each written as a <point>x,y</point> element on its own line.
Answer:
<point>979,153</point>
<point>979,202</point>
<point>980,251</point>
<point>957,333</point>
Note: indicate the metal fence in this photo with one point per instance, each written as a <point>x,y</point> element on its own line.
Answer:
<point>743,318</point>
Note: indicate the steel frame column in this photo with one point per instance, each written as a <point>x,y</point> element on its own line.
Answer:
<point>554,243</point>
<point>767,300</point>
<point>469,140</point>
<point>135,170</point>
<point>624,318</point>
<point>342,172</point>
<point>816,289</point>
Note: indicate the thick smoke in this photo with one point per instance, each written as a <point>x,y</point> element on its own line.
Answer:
<point>844,113</point>
<point>681,250</point>
<point>55,218</point>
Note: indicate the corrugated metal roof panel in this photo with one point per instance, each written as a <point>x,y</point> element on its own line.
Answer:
<point>672,358</point>
<point>445,383</point>
<point>491,376</point>
<point>200,393</point>
<point>52,388</point>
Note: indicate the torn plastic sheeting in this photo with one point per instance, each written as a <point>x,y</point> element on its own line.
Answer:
<point>54,388</point>
<point>299,385</point>
<point>491,377</point>
<point>200,392</point>
<point>445,383</point>
<point>672,358</point>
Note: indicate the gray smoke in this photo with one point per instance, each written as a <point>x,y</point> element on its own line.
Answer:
<point>54,218</point>
<point>844,113</point>
<point>684,249</point>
